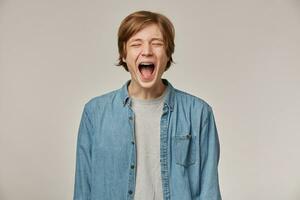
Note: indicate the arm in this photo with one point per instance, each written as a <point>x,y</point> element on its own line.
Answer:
<point>209,158</point>
<point>82,188</point>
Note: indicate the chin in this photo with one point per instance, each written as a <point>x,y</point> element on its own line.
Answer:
<point>147,84</point>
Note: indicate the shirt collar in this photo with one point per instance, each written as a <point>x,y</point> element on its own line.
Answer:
<point>169,98</point>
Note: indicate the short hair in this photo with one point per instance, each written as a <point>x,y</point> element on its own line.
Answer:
<point>138,20</point>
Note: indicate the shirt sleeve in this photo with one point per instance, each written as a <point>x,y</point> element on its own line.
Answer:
<point>82,186</point>
<point>209,158</point>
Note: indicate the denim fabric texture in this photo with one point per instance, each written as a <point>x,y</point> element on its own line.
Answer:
<point>106,150</point>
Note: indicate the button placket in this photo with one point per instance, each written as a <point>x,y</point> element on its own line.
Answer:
<point>132,167</point>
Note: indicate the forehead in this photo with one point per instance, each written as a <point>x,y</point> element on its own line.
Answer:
<point>149,32</point>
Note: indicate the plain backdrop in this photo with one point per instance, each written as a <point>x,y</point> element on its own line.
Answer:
<point>242,57</point>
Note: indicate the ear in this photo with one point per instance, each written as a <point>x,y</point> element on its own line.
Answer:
<point>124,60</point>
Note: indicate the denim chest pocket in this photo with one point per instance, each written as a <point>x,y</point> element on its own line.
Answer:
<point>185,149</point>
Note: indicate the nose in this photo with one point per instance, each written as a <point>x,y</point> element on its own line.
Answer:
<point>147,50</point>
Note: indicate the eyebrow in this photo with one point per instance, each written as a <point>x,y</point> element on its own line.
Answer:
<point>139,40</point>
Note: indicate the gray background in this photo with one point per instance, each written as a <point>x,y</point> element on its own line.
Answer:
<point>243,57</point>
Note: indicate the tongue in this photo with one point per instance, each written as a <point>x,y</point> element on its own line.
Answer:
<point>146,72</point>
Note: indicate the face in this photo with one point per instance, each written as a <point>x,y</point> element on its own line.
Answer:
<point>146,57</point>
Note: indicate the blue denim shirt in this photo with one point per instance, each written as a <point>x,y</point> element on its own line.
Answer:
<point>106,150</point>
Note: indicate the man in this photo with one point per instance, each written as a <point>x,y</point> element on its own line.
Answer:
<point>147,140</point>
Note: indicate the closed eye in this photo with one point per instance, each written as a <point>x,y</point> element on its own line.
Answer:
<point>135,45</point>
<point>158,44</point>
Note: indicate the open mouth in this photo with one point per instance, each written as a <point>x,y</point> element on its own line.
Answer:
<point>146,69</point>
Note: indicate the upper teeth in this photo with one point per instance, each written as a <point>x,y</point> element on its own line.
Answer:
<point>146,63</point>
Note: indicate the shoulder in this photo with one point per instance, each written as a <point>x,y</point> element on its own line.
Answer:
<point>195,105</point>
<point>193,100</point>
<point>100,101</point>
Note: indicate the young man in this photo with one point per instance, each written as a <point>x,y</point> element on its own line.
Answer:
<point>147,140</point>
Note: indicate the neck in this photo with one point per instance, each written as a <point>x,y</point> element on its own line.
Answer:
<point>138,92</point>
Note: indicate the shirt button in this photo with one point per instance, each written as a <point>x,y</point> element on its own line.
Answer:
<point>132,166</point>
<point>130,118</point>
<point>130,192</point>
<point>132,142</point>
